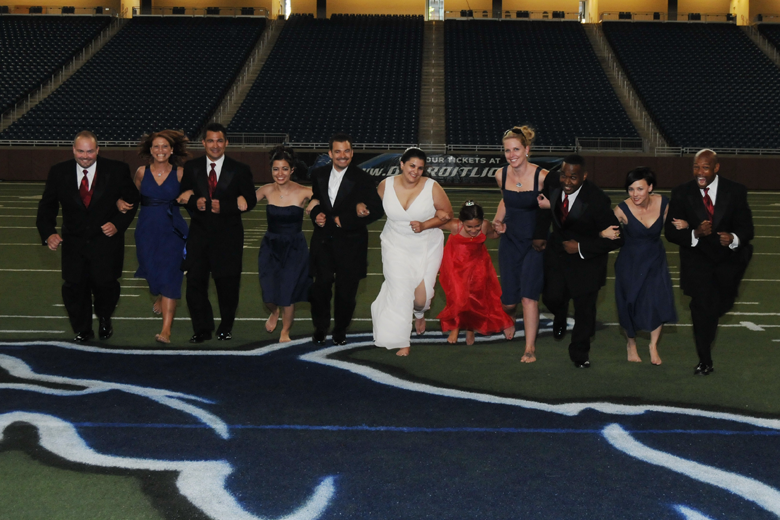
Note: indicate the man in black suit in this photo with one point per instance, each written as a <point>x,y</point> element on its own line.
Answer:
<point>709,218</point>
<point>576,255</point>
<point>339,246</point>
<point>215,244</point>
<point>93,231</point>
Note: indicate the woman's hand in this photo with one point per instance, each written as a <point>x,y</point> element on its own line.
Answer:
<point>185,197</point>
<point>499,226</point>
<point>242,205</point>
<point>544,203</point>
<point>612,233</point>
<point>123,206</point>
<point>679,223</point>
<point>443,215</point>
<point>416,226</point>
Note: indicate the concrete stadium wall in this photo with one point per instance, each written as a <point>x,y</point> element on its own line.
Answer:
<point>757,173</point>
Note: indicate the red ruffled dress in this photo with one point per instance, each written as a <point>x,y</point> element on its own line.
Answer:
<point>470,283</point>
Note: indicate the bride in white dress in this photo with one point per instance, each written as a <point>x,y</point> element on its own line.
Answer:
<point>412,247</point>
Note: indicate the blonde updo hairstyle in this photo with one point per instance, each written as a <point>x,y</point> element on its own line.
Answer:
<point>525,134</point>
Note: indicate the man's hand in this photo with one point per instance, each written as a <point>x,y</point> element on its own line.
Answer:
<point>725,238</point>
<point>539,245</point>
<point>543,202</point>
<point>704,229</point>
<point>571,246</point>
<point>123,206</point>
<point>362,210</point>
<point>320,219</point>
<point>54,241</point>
<point>201,204</point>
<point>108,229</point>
<point>214,206</point>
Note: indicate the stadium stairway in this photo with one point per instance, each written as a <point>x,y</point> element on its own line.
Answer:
<point>246,78</point>
<point>625,92</point>
<point>66,72</point>
<point>432,134</point>
<point>762,43</point>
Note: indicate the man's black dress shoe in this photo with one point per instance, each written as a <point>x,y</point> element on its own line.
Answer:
<point>559,327</point>
<point>200,337</point>
<point>703,370</point>
<point>339,338</point>
<point>224,336</point>
<point>318,337</point>
<point>105,331</point>
<point>584,364</point>
<point>84,335</point>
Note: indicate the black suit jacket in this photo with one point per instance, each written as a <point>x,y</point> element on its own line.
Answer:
<point>732,215</point>
<point>351,239</point>
<point>82,236</point>
<point>217,237</point>
<point>590,214</point>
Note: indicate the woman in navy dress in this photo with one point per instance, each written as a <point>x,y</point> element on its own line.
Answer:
<point>283,261</point>
<point>643,287</point>
<point>161,231</point>
<point>521,266</point>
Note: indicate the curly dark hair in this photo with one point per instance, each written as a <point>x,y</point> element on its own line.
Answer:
<point>283,153</point>
<point>175,138</point>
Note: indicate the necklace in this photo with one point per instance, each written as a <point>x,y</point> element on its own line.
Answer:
<point>161,173</point>
<point>519,184</point>
<point>280,191</point>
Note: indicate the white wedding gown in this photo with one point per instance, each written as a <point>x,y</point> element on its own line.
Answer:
<point>408,258</point>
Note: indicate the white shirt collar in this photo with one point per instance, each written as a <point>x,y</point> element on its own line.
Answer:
<point>217,168</point>
<point>572,197</point>
<point>90,174</point>
<point>713,190</point>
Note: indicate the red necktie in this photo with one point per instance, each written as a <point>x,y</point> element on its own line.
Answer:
<point>565,208</point>
<point>212,180</point>
<point>84,191</point>
<point>708,204</point>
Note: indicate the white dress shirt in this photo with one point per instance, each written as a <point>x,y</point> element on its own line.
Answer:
<point>217,168</point>
<point>334,183</point>
<point>572,198</point>
<point>713,193</point>
<point>90,174</point>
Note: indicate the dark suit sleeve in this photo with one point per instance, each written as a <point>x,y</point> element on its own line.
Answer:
<point>678,209</point>
<point>188,182</point>
<point>129,193</point>
<point>246,188</point>
<point>365,192</point>
<point>316,194</point>
<point>592,246</point>
<point>544,216</point>
<point>742,225</point>
<point>49,207</point>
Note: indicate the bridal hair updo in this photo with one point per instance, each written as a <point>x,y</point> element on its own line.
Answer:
<point>283,153</point>
<point>523,133</point>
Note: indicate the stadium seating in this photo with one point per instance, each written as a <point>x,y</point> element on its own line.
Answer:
<point>705,85</point>
<point>771,31</point>
<point>155,73</point>
<point>354,73</point>
<point>33,48</point>
<point>502,73</point>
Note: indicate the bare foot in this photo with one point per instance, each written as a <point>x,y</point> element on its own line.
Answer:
<point>528,357</point>
<point>419,327</point>
<point>469,337</point>
<point>632,355</point>
<point>284,337</point>
<point>654,357</point>
<point>157,305</point>
<point>270,323</point>
<point>402,351</point>
<point>453,337</point>
<point>509,333</point>
<point>162,339</point>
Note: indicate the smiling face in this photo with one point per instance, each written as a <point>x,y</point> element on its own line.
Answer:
<point>705,168</point>
<point>572,178</point>
<point>161,150</point>
<point>85,151</point>
<point>515,153</point>
<point>413,169</point>
<point>472,227</point>
<point>341,154</point>
<point>281,171</point>
<point>215,144</point>
<point>640,191</point>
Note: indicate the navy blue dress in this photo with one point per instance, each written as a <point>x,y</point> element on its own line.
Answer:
<point>643,288</point>
<point>521,266</point>
<point>160,236</point>
<point>283,261</point>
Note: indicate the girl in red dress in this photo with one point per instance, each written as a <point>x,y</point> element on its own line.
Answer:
<point>469,279</point>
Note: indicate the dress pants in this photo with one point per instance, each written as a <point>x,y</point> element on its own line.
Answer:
<point>77,297</point>
<point>556,298</point>
<point>327,271</point>
<point>198,302</point>
<point>712,296</point>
